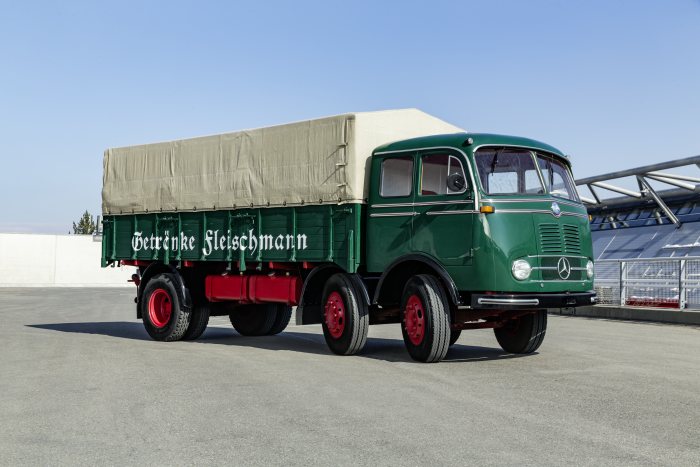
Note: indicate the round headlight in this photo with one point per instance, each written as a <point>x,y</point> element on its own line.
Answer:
<point>521,269</point>
<point>589,269</point>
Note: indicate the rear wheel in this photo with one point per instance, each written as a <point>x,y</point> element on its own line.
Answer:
<point>283,313</point>
<point>426,319</point>
<point>253,320</point>
<point>198,322</point>
<point>164,316</point>
<point>345,315</point>
<point>524,334</point>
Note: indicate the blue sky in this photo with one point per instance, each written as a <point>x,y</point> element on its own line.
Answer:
<point>615,84</point>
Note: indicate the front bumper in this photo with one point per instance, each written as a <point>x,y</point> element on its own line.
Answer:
<point>525,301</point>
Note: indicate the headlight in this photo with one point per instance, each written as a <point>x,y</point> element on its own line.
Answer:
<point>589,269</point>
<point>521,269</point>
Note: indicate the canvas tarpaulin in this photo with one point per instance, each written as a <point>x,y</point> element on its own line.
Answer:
<point>315,161</point>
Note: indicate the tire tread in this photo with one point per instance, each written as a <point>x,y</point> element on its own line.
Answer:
<point>261,328</point>
<point>437,313</point>
<point>182,312</point>
<point>283,314</point>
<point>199,320</point>
<point>529,338</point>
<point>347,286</point>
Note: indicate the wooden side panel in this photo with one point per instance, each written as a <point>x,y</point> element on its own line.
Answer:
<point>318,234</point>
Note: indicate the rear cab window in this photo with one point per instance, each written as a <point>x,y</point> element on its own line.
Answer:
<point>396,177</point>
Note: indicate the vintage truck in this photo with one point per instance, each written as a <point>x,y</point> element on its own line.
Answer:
<point>357,219</point>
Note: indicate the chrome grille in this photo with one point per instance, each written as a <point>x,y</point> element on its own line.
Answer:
<point>572,239</point>
<point>550,273</point>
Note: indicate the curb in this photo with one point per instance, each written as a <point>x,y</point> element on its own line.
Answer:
<point>658,315</point>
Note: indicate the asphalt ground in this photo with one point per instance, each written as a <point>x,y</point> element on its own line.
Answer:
<point>81,383</point>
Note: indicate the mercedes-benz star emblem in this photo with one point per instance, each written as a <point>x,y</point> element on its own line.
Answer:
<point>556,210</point>
<point>564,268</point>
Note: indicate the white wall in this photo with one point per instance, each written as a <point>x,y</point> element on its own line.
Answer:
<point>36,260</point>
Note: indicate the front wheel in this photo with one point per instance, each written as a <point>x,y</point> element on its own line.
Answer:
<point>345,315</point>
<point>164,317</point>
<point>524,334</point>
<point>426,319</point>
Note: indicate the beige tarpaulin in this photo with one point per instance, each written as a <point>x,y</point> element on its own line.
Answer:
<point>322,160</point>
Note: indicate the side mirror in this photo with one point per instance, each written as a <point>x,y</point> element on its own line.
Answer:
<point>456,182</point>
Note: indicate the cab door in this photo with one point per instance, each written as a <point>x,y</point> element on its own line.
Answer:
<point>444,207</point>
<point>391,212</point>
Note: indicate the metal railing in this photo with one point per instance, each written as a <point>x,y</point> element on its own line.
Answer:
<point>653,282</point>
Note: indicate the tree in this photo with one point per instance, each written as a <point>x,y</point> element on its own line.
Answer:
<point>85,226</point>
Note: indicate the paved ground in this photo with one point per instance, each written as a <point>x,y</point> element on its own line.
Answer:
<point>81,383</point>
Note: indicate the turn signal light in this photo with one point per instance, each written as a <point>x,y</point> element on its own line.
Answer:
<point>487,209</point>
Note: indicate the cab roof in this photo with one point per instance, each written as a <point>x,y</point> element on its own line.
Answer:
<point>458,140</point>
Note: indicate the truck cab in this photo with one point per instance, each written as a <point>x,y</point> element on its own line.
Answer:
<point>496,218</point>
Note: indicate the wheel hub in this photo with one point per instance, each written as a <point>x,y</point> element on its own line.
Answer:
<point>160,308</point>
<point>335,315</point>
<point>414,320</point>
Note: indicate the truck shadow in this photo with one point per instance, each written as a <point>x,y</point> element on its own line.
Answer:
<point>122,329</point>
<point>391,350</point>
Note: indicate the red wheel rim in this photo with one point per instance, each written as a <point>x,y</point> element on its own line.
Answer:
<point>160,308</point>
<point>335,315</point>
<point>414,319</point>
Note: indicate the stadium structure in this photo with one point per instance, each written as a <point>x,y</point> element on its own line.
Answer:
<point>646,239</point>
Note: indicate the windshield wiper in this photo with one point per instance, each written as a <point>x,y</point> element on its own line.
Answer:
<point>495,160</point>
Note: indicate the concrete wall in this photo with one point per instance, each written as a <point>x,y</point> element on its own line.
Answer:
<point>35,260</point>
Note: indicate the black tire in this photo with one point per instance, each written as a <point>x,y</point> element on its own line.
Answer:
<point>345,315</point>
<point>198,322</point>
<point>454,336</point>
<point>524,334</point>
<point>253,320</point>
<point>426,324</point>
<point>283,313</point>
<point>164,316</point>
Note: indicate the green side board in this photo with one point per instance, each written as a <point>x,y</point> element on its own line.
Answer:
<point>327,234</point>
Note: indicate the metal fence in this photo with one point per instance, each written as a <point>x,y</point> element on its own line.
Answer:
<point>653,282</point>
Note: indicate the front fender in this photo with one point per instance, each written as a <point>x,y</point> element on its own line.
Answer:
<point>397,274</point>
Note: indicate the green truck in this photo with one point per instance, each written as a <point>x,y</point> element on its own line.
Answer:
<point>357,219</point>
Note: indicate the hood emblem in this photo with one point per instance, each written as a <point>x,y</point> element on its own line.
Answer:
<point>556,210</point>
<point>564,268</point>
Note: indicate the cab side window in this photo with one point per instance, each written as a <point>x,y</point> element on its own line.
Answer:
<point>397,177</point>
<point>435,170</point>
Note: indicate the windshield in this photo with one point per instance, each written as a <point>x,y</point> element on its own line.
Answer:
<point>556,177</point>
<point>508,171</point>
<point>513,171</point>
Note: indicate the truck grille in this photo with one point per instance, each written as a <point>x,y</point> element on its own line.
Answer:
<point>550,239</point>
<point>559,239</point>
<point>572,239</point>
<point>550,273</point>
